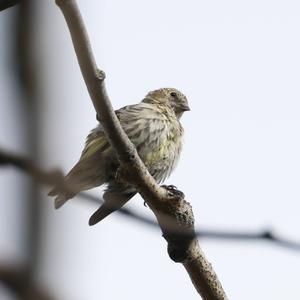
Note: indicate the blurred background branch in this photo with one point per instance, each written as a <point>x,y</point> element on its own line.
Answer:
<point>51,178</point>
<point>26,76</point>
<point>17,279</point>
<point>4,4</point>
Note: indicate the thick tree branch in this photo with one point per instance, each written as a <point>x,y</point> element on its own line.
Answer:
<point>182,242</point>
<point>94,79</point>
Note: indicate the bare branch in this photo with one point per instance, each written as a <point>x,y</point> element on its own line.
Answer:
<point>4,4</point>
<point>183,246</point>
<point>55,178</point>
<point>94,79</point>
<point>50,178</point>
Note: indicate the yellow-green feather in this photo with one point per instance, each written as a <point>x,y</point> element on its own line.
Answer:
<point>95,142</point>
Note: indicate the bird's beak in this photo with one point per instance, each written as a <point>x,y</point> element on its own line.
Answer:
<point>185,108</point>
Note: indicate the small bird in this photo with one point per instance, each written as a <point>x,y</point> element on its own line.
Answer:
<point>154,128</point>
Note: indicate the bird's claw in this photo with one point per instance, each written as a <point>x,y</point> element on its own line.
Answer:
<point>170,187</point>
<point>173,192</point>
<point>119,175</point>
<point>145,204</point>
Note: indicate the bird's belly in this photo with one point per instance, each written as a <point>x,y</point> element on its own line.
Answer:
<point>161,160</point>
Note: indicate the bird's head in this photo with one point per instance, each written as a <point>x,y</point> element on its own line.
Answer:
<point>171,97</point>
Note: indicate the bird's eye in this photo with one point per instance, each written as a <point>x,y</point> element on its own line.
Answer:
<point>173,94</point>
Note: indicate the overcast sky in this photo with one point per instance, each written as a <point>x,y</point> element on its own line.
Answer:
<point>238,63</point>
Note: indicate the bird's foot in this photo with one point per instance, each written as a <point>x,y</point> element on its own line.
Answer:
<point>173,193</point>
<point>120,175</point>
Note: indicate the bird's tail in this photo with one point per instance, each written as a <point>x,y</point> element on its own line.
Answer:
<point>61,197</point>
<point>86,174</point>
<point>112,202</point>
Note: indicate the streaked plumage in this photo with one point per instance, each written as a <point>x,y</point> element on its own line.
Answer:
<point>153,127</point>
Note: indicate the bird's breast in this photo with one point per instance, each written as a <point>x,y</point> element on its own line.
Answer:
<point>157,135</point>
<point>160,152</point>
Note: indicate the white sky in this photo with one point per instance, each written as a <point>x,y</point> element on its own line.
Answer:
<point>238,63</point>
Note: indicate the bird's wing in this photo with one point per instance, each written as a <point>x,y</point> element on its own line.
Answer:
<point>145,125</point>
<point>96,141</point>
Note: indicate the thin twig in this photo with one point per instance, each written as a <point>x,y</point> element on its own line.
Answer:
<point>55,178</point>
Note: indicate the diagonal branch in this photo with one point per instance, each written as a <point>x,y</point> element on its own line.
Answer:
<point>94,79</point>
<point>182,242</point>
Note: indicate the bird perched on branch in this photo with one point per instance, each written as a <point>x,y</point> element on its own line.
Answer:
<point>153,127</point>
